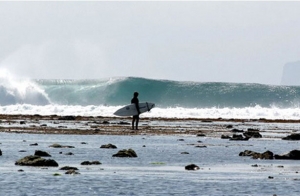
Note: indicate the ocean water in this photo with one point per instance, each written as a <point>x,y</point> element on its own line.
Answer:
<point>158,169</point>
<point>173,99</point>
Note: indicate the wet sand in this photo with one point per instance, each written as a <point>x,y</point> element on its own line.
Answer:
<point>88,125</point>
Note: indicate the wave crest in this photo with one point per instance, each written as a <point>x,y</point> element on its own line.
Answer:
<point>167,93</point>
<point>20,91</point>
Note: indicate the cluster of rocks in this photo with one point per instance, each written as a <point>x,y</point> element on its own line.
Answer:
<point>257,155</point>
<point>37,159</point>
<point>293,155</point>
<point>246,135</point>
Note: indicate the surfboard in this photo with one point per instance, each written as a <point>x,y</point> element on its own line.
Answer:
<point>130,110</point>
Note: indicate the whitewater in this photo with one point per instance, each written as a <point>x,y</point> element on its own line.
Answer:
<point>173,99</point>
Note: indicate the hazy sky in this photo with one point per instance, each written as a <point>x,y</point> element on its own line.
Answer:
<point>187,41</point>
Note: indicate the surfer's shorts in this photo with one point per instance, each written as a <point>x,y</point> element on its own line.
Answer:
<point>136,116</point>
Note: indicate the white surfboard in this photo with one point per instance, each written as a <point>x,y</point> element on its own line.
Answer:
<point>130,110</point>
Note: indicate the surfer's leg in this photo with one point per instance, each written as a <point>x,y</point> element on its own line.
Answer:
<point>137,122</point>
<point>133,119</point>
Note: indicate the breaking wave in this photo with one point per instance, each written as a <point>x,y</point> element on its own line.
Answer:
<point>172,98</point>
<point>166,93</point>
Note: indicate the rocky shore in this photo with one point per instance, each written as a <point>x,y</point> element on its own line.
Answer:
<point>244,152</point>
<point>88,125</point>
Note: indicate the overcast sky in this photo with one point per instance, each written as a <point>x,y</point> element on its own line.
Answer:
<point>201,41</point>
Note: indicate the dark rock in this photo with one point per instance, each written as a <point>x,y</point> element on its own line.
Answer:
<point>62,127</point>
<point>229,126</point>
<point>252,129</point>
<point>237,130</point>
<point>192,167</point>
<point>0,152</point>
<point>180,140</point>
<point>90,163</point>
<point>252,133</point>
<point>22,122</point>
<point>60,146</point>
<point>294,136</point>
<point>20,170</point>
<point>256,155</point>
<point>247,153</point>
<point>72,172</point>
<point>201,135</point>
<point>238,138</point>
<point>201,146</point>
<point>123,123</point>
<point>67,118</point>
<point>33,160</point>
<point>55,146</point>
<point>35,144</point>
<point>108,146</point>
<point>294,155</point>
<point>42,153</point>
<point>265,155</point>
<point>184,153</point>
<point>126,153</point>
<point>225,137</point>
<point>68,168</point>
<point>69,153</point>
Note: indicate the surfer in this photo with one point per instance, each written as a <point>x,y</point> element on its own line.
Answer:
<point>136,118</point>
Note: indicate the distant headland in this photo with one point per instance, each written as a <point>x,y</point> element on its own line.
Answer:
<point>291,74</point>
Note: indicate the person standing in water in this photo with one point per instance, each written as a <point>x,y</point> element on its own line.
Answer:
<point>135,118</point>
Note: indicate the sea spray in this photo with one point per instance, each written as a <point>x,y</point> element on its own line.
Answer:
<point>20,91</point>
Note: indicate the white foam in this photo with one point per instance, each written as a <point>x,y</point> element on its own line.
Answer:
<point>13,91</point>
<point>92,110</point>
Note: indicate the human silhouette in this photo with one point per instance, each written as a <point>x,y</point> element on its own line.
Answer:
<point>135,118</point>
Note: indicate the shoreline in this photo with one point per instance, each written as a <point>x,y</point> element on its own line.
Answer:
<point>100,125</point>
<point>165,147</point>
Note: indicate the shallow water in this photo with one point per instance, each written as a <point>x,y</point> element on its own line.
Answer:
<point>158,169</point>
